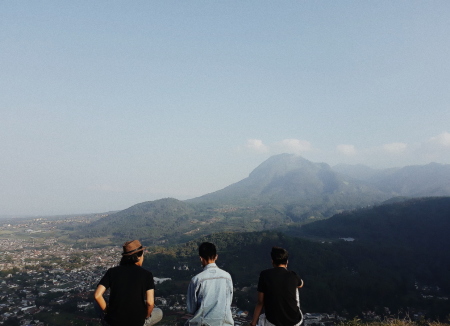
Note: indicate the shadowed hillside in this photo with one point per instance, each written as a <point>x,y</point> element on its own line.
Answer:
<point>399,259</point>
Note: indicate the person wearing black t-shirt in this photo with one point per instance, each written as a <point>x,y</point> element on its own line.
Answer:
<point>131,301</point>
<point>278,294</point>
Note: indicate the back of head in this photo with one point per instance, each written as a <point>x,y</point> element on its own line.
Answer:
<point>131,259</point>
<point>207,251</point>
<point>279,256</point>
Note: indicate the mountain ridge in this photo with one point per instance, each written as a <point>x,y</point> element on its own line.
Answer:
<point>282,191</point>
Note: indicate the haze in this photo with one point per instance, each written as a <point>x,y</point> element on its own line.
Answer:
<point>107,104</point>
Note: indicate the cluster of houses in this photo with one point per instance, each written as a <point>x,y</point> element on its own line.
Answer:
<point>48,276</point>
<point>40,274</point>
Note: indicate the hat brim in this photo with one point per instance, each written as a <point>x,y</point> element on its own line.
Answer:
<point>133,251</point>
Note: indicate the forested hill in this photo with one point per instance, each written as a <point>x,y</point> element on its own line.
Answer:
<point>399,249</point>
<point>415,223</point>
<point>148,220</point>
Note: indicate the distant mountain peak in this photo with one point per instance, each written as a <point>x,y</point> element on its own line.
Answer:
<point>280,164</point>
<point>288,178</point>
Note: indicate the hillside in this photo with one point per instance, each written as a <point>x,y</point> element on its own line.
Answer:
<point>421,223</point>
<point>287,178</point>
<point>170,220</point>
<point>412,181</point>
<point>283,191</point>
<point>399,259</point>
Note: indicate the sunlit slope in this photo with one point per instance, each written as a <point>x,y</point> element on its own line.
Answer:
<point>285,190</point>
<point>287,178</point>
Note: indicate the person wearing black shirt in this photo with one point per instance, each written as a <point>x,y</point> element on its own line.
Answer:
<point>278,294</point>
<point>131,301</point>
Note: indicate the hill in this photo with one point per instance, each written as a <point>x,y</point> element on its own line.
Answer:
<point>399,259</point>
<point>170,220</point>
<point>419,224</point>
<point>283,191</point>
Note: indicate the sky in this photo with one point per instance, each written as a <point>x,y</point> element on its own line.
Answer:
<point>106,104</point>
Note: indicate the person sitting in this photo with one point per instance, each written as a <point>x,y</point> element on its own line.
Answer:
<point>278,294</point>
<point>210,292</point>
<point>132,287</point>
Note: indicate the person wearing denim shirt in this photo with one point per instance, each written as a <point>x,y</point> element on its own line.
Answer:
<point>210,292</point>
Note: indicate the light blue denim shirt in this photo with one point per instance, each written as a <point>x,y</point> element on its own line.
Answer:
<point>209,297</point>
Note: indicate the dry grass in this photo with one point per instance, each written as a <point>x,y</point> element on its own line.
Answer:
<point>396,322</point>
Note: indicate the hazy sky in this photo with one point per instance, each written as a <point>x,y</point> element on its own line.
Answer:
<point>105,104</point>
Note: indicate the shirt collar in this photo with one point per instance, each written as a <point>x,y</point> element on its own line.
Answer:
<point>212,265</point>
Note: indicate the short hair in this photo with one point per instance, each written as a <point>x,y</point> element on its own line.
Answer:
<point>131,259</point>
<point>279,256</point>
<point>207,250</point>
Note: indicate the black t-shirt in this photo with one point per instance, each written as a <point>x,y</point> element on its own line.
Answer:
<point>280,298</point>
<point>129,284</point>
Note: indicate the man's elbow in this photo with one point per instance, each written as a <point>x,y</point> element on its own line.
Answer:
<point>97,296</point>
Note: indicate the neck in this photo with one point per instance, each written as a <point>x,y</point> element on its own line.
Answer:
<point>207,262</point>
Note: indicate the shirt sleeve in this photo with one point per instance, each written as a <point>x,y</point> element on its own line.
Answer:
<point>150,282</point>
<point>299,280</point>
<point>106,279</point>
<point>231,290</point>
<point>191,298</point>
<point>261,285</point>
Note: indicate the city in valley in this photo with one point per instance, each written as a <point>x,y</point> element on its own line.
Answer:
<point>48,278</point>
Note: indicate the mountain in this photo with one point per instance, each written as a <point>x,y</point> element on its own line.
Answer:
<point>284,190</point>
<point>411,181</point>
<point>290,179</point>
<point>415,181</point>
<point>356,171</point>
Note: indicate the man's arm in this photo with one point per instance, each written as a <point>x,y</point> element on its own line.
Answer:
<point>191,298</point>
<point>258,308</point>
<point>231,291</point>
<point>98,296</point>
<point>150,302</point>
<point>301,285</point>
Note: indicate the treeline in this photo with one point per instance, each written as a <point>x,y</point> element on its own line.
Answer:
<point>173,221</point>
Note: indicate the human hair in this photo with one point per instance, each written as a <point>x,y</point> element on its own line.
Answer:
<point>131,259</point>
<point>207,251</point>
<point>279,256</point>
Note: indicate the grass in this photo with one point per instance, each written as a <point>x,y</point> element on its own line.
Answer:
<point>396,322</point>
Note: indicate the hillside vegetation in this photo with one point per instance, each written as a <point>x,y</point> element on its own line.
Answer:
<point>341,276</point>
<point>285,190</point>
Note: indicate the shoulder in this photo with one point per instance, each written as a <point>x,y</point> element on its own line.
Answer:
<point>267,272</point>
<point>196,277</point>
<point>141,272</point>
<point>294,274</point>
<point>224,273</point>
<point>112,270</point>
<point>145,271</point>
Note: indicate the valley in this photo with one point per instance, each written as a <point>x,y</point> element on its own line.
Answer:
<point>395,265</point>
